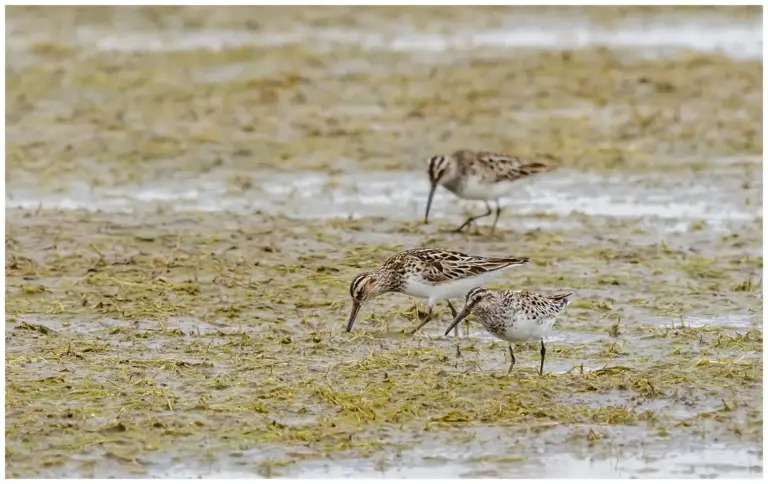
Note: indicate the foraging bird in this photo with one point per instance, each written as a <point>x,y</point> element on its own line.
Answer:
<point>513,315</point>
<point>479,175</point>
<point>432,274</point>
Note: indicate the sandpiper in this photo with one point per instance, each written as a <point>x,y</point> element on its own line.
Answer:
<point>432,274</point>
<point>479,175</point>
<point>513,315</point>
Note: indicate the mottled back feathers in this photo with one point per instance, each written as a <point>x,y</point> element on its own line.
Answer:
<point>533,305</point>
<point>441,265</point>
<point>496,167</point>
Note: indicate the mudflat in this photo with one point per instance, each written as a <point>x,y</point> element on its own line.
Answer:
<point>190,191</point>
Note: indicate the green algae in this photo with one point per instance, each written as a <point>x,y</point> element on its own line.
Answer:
<point>135,342</point>
<point>628,118</point>
<point>263,359</point>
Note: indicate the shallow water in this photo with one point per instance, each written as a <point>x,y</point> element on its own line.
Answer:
<point>738,39</point>
<point>703,462</point>
<point>626,215</point>
<point>667,202</point>
<point>482,457</point>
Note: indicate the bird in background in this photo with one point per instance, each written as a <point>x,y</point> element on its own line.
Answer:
<point>479,175</point>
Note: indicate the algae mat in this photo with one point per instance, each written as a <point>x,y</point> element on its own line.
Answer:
<point>190,192</point>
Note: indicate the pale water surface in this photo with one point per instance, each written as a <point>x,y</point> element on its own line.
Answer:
<point>666,203</point>
<point>738,39</point>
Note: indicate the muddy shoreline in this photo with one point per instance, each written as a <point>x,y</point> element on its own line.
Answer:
<point>230,331</point>
<point>183,222</point>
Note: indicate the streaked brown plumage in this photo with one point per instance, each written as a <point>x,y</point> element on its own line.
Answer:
<point>479,175</point>
<point>513,315</point>
<point>432,274</point>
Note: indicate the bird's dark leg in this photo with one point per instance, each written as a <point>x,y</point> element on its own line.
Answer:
<point>543,352</point>
<point>496,220</point>
<point>427,319</point>
<point>453,313</point>
<point>453,309</point>
<point>455,330</point>
<point>512,355</point>
<point>472,219</point>
<point>458,344</point>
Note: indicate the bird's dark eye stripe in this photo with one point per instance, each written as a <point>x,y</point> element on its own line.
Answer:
<point>435,163</point>
<point>354,287</point>
<point>475,292</point>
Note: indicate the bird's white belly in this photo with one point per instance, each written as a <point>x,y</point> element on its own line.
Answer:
<point>476,189</point>
<point>528,329</point>
<point>417,287</point>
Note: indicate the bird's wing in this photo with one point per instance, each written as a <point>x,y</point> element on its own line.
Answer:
<point>537,306</point>
<point>509,168</point>
<point>440,266</point>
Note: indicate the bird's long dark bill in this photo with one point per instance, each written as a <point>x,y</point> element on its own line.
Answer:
<point>429,202</point>
<point>352,316</point>
<point>463,314</point>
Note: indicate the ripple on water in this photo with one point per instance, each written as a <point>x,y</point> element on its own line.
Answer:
<point>735,321</point>
<point>737,39</point>
<point>189,325</point>
<point>481,457</point>
<point>666,202</point>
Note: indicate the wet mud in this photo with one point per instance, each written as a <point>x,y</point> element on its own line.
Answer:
<point>190,192</point>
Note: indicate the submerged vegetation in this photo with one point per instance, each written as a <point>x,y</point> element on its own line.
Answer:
<point>179,342</point>
<point>130,346</point>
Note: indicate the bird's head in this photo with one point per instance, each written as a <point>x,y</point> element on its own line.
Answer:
<point>474,297</point>
<point>440,168</point>
<point>365,286</point>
